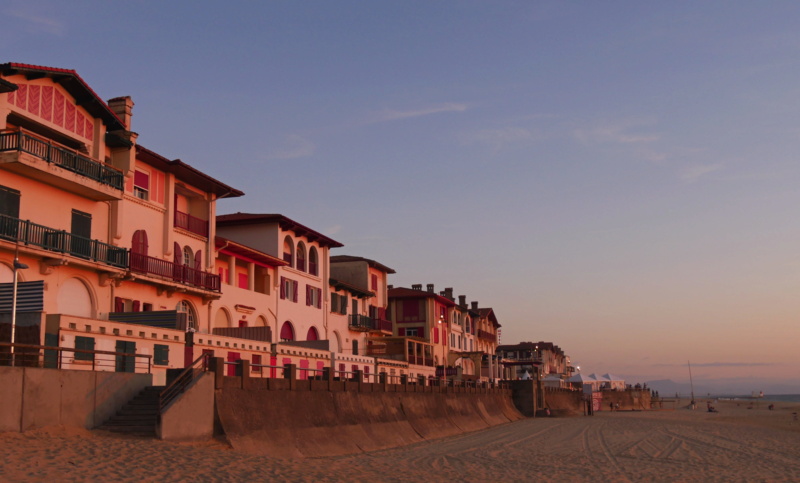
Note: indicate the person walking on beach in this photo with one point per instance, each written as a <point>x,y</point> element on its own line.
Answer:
<point>611,406</point>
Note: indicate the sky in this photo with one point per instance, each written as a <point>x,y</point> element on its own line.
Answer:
<point>619,178</point>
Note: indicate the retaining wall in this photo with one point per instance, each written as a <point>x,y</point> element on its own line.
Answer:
<point>286,418</point>
<point>33,397</point>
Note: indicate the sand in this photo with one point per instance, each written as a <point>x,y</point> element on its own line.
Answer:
<point>736,444</point>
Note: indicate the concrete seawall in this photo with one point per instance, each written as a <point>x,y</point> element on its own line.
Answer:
<point>321,418</point>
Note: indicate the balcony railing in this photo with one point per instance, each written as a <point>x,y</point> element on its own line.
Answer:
<point>482,334</point>
<point>362,322</point>
<point>420,361</point>
<point>191,223</point>
<point>61,156</point>
<point>172,271</point>
<point>60,241</point>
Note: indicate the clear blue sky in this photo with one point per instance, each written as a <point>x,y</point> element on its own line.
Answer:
<point>620,178</point>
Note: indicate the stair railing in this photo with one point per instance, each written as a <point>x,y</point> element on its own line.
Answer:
<point>182,381</point>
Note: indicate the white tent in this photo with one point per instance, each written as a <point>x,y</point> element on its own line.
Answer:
<point>617,383</point>
<point>553,381</point>
<point>585,382</point>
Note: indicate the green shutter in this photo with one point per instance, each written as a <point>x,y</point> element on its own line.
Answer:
<point>84,343</point>
<point>160,355</point>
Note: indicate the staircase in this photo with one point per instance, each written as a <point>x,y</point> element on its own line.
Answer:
<point>138,416</point>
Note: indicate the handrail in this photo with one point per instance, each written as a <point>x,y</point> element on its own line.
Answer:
<point>59,362</point>
<point>181,382</point>
<point>69,159</point>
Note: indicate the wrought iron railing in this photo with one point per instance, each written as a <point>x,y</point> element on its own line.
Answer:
<point>482,334</point>
<point>191,223</point>
<point>61,156</point>
<point>364,322</point>
<point>60,241</point>
<point>172,271</point>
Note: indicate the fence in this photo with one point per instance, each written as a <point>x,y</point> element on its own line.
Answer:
<point>27,355</point>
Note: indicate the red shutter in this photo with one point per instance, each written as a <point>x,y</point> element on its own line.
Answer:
<point>401,331</point>
<point>137,306</point>
<point>294,298</point>
<point>119,304</point>
<point>273,361</point>
<point>283,287</point>
<point>435,335</point>
<point>308,295</point>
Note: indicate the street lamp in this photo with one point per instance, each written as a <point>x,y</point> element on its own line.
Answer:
<point>17,266</point>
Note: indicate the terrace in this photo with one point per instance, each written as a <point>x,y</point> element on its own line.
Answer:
<point>23,152</point>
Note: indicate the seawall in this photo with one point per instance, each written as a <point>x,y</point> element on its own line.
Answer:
<point>283,418</point>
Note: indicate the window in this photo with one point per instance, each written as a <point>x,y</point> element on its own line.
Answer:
<point>289,289</point>
<point>188,256</point>
<point>9,212</point>
<point>186,308</point>
<point>313,261</point>
<point>80,241</point>
<point>141,185</point>
<point>413,332</point>
<point>374,280</point>
<point>288,251</point>
<point>301,257</point>
<point>287,332</point>
<point>160,355</point>
<point>244,281</point>
<point>312,334</point>
<point>255,364</point>
<point>410,310</point>
<point>86,344</point>
<point>313,296</point>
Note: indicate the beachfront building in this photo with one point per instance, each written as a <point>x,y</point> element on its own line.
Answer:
<point>486,340</point>
<point>543,359</point>
<point>108,231</point>
<point>424,315</point>
<point>359,293</point>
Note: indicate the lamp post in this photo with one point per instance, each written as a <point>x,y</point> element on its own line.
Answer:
<point>17,266</point>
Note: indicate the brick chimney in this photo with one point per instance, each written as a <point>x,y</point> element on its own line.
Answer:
<point>448,294</point>
<point>416,286</point>
<point>462,301</point>
<point>389,287</point>
<point>430,288</point>
<point>123,108</point>
<point>474,305</point>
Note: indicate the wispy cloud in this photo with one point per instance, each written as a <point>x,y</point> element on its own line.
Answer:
<point>36,23</point>
<point>498,139</point>
<point>694,173</point>
<point>294,146</point>
<point>394,115</point>
<point>619,132</point>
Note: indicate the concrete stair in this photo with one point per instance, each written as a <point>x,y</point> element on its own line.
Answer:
<point>138,416</point>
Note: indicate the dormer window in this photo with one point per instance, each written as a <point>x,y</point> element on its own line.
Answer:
<point>141,185</point>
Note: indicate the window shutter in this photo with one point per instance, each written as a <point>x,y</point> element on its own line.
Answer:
<point>435,335</point>
<point>198,260</point>
<point>401,331</point>
<point>119,304</point>
<point>308,295</point>
<point>319,298</point>
<point>283,287</point>
<point>294,299</point>
<point>137,306</point>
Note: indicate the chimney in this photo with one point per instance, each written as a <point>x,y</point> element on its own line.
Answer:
<point>474,305</point>
<point>462,301</point>
<point>416,286</point>
<point>448,294</point>
<point>123,108</point>
<point>430,288</point>
<point>389,287</point>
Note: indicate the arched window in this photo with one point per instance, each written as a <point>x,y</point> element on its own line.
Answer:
<point>313,265</point>
<point>288,251</point>
<point>222,319</point>
<point>301,256</point>
<point>312,334</point>
<point>287,332</point>
<point>188,256</point>
<point>186,308</point>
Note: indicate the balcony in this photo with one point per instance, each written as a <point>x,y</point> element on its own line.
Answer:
<point>364,323</point>
<point>64,168</point>
<point>174,272</point>
<point>60,241</point>
<point>191,223</point>
<point>488,336</point>
<point>259,334</point>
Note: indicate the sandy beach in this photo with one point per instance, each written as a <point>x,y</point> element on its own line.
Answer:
<point>736,444</point>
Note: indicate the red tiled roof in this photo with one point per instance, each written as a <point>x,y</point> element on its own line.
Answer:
<point>371,263</point>
<point>235,219</point>
<point>245,252</point>
<point>74,84</point>
<point>186,173</point>
<point>405,293</point>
